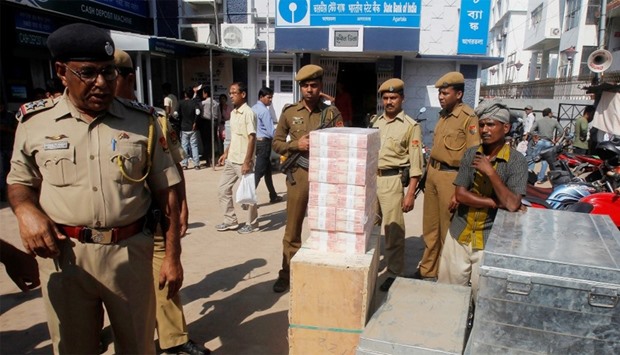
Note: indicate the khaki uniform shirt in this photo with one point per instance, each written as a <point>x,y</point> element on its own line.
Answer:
<point>75,164</point>
<point>242,124</point>
<point>401,143</point>
<point>296,121</point>
<point>172,138</point>
<point>454,133</point>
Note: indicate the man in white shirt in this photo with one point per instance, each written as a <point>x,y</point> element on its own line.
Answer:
<point>528,122</point>
<point>208,123</point>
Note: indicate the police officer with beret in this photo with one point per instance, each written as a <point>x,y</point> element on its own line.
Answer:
<point>78,187</point>
<point>400,165</point>
<point>456,130</point>
<point>296,122</point>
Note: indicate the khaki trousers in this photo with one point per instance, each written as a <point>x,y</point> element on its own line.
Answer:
<point>437,194</point>
<point>390,208</point>
<point>230,175</point>
<point>460,264</point>
<point>296,207</point>
<point>171,325</point>
<point>91,276</point>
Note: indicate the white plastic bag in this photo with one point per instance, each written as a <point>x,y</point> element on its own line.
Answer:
<point>246,192</point>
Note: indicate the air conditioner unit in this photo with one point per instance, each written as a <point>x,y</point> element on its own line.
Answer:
<point>555,31</point>
<point>242,36</point>
<point>201,33</point>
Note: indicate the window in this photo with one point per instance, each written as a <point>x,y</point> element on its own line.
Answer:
<point>572,14</point>
<point>270,84</point>
<point>536,16</point>
<point>276,68</point>
<point>286,86</point>
<point>594,12</point>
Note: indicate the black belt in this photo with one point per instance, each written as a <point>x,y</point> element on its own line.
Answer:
<point>441,166</point>
<point>260,139</point>
<point>388,172</point>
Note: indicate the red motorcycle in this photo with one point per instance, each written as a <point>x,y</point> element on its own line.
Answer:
<point>580,163</point>
<point>598,193</point>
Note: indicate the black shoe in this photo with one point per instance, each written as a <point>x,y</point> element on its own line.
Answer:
<point>189,348</point>
<point>417,275</point>
<point>385,286</point>
<point>281,285</point>
<point>276,199</point>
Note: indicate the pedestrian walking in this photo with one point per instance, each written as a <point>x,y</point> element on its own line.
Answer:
<point>189,111</point>
<point>264,139</point>
<point>238,160</point>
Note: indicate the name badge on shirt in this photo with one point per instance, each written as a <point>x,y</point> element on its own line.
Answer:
<point>298,120</point>
<point>56,145</point>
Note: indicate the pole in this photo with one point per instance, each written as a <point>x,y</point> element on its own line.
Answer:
<point>267,47</point>
<point>601,33</point>
<point>213,126</point>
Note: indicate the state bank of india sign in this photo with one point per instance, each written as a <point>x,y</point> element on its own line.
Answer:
<point>322,13</point>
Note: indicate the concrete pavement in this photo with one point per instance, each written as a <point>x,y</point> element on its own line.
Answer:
<point>228,301</point>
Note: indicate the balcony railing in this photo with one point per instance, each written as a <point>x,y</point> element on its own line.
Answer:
<point>559,89</point>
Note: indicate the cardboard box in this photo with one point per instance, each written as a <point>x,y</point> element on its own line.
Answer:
<point>549,283</point>
<point>330,299</point>
<point>418,317</point>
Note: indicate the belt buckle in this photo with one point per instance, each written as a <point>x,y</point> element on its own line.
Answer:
<point>98,236</point>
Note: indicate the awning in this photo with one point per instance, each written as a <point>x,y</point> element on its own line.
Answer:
<point>484,61</point>
<point>171,46</point>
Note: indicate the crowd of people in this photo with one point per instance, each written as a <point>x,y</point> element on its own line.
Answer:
<point>83,213</point>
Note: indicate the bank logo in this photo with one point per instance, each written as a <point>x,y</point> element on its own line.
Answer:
<point>293,13</point>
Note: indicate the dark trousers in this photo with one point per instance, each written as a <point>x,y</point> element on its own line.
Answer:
<point>206,136</point>
<point>263,166</point>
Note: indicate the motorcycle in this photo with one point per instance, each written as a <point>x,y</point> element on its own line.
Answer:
<point>598,193</point>
<point>580,163</point>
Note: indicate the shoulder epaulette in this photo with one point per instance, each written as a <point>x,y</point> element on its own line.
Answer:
<point>287,106</point>
<point>28,109</point>
<point>468,110</point>
<point>139,106</point>
<point>411,121</point>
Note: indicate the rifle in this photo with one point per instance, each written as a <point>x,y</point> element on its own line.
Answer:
<point>421,184</point>
<point>291,160</point>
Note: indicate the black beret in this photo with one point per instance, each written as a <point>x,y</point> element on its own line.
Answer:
<point>81,43</point>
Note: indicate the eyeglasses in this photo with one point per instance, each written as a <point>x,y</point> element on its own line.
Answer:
<point>89,74</point>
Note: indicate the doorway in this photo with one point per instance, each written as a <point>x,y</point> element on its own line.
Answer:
<point>360,81</point>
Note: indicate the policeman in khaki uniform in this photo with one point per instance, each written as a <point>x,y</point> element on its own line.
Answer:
<point>456,130</point>
<point>78,187</point>
<point>297,121</point>
<point>400,162</point>
<point>170,320</point>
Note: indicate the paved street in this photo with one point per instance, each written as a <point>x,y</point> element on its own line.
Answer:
<point>229,304</point>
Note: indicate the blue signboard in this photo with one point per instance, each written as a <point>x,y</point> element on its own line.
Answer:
<point>474,26</point>
<point>373,13</point>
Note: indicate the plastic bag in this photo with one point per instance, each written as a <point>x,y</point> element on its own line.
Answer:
<point>246,192</point>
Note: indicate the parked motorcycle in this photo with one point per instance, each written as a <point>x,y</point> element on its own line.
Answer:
<point>598,193</point>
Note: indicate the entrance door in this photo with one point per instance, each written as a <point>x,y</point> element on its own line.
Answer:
<point>360,81</point>
<point>281,81</point>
